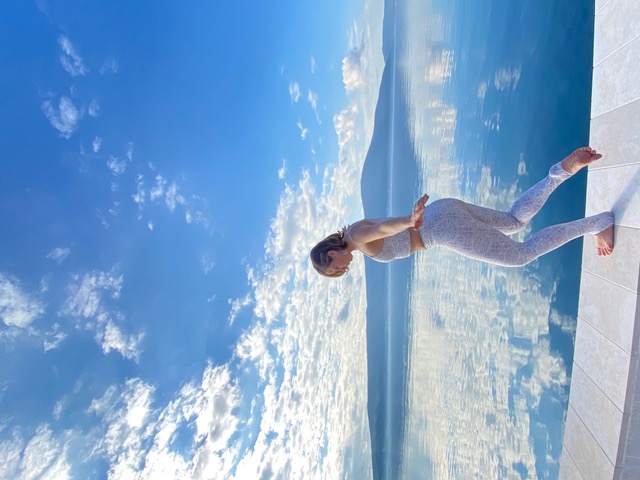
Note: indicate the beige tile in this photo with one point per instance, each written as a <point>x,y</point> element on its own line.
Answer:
<point>623,266</point>
<point>616,189</point>
<point>587,455</point>
<point>568,468</point>
<point>604,362</point>
<point>616,81</point>
<point>616,135</point>
<point>597,296</point>
<point>613,29</point>
<point>601,417</point>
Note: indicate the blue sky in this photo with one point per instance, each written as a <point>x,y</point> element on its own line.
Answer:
<point>165,168</point>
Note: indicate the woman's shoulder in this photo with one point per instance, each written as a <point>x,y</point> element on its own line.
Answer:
<point>355,226</point>
<point>364,221</point>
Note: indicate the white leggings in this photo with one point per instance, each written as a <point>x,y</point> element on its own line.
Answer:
<point>480,233</point>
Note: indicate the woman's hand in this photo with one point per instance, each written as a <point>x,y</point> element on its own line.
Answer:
<point>418,210</point>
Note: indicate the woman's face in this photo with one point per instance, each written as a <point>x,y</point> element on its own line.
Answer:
<point>340,260</point>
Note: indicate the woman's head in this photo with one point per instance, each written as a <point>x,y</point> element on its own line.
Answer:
<point>322,254</point>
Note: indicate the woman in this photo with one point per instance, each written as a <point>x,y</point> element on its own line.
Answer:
<point>472,231</point>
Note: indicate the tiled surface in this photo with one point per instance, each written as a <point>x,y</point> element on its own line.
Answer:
<point>568,468</point>
<point>616,81</point>
<point>588,456</point>
<point>598,413</point>
<point>615,189</point>
<point>623,266</point>
<point>597,296</point>
<point>600,4</point>
<point>616,135</point>
<point>612,28</point>
<point>605,363</point>
<point>602,432</point>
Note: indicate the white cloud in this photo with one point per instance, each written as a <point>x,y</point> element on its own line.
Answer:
<point>207,263</point>
<point>294,91</point>
<point>158,190</point>
<point>140,194</point>
<point>17,308</point>
<point>53,338</point>
<point>314,65</point>
<point>237,305</point>
<point>173,198</point>
<point>312,97</point>
<point>309,405</point>
<point>112,338</point>
<point>85,295</point>
<point>43,456</point>
<point>282,171</point>
<point>96,144</point>
<point>352,75</point>
<point>130,151</point>
<point>94,108</point>
<point>88,299</point>
<point>304,132</point>
<point>59,254</point>
<point>103,220</point>
<point>346,123</point>
<point>70,59</point>
<point>124,416</point>
<point>137,439</point>
<point>65,118</point>
<point>116,166</point>
<point>192,215</point>
<point>194,207</point>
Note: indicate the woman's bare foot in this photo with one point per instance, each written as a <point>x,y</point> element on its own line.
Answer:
<point>579,159</point>
<point>604,242</point>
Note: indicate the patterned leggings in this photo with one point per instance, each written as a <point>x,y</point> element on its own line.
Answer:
<point>481,233</point>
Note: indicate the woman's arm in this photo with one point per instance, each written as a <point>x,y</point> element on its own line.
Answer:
<point>365,232</point>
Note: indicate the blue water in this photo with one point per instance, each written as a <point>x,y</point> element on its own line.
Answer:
<point>469,364</point>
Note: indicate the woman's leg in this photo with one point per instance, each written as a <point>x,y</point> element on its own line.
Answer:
<point>531,201</point>
<point>450,225</point>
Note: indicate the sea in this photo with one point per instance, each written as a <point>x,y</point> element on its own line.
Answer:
<point>469,364</point>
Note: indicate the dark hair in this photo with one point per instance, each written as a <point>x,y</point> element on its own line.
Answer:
<point>319,254</point>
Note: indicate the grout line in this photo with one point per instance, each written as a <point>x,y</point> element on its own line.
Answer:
<point>593,380</point>
<point>610,281</point>
<point>597,386</point>
<point>603,7</point>
<point>615,51</point>
<point>614,108</point>
<point>630,354</point>
<point>618,165</point>
<point>571,457</point>
<point>613,464</point>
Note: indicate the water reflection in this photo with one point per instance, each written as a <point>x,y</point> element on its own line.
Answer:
<point>488,349</point>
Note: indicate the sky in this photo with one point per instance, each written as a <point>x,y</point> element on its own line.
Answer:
<point>165,169</point>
